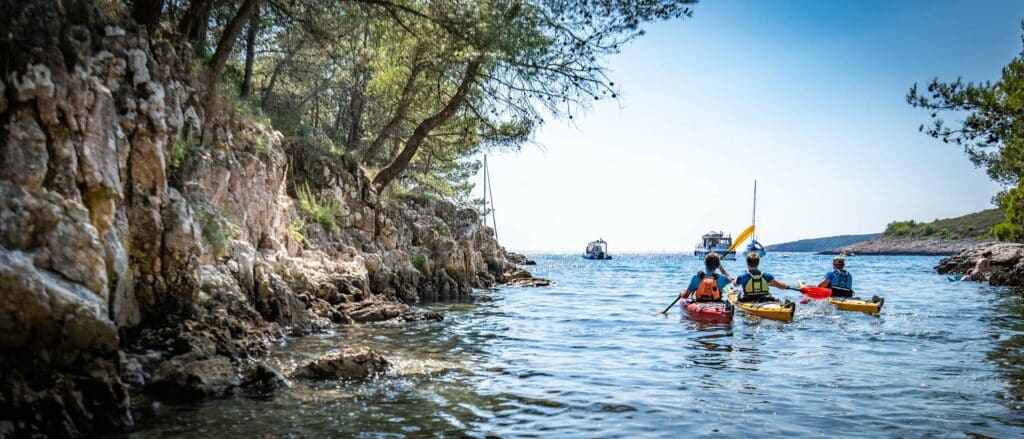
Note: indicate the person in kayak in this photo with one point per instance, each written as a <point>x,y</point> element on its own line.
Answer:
<point>754,283</point>
<point>983,266</point>
<point>839,280</point>
<point>707,286</point>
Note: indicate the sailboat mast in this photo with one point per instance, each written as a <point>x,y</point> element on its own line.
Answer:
<point>753,214</point>
<point>490,190</point>
<point>485,192</point>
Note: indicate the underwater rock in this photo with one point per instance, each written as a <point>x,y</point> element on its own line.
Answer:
<point>350,363</point>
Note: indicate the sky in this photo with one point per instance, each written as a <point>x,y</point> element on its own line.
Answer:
<point>806,97</point>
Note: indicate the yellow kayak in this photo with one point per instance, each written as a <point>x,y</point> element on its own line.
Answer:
<point>774,310</point>
<point>873,306</point>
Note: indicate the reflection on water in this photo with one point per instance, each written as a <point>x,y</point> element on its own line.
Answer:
<point>592,357</point>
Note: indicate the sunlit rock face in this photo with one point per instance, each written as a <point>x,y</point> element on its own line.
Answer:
<point>147,230</point>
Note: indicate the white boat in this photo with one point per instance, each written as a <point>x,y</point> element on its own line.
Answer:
<point>597,250</point>
<point>715,242</point>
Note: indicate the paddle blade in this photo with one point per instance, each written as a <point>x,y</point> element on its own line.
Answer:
<point>816,293</point>
<point>742,237</point>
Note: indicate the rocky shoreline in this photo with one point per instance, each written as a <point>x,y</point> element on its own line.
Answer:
<point>890,246</point>
<point>153,243</point>
<point>1007,263</point>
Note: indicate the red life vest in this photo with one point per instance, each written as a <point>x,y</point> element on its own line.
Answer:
<point>707,290</point>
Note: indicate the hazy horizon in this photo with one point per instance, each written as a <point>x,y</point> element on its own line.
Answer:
<point>808,98</point>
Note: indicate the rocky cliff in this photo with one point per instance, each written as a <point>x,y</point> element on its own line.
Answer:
<point>151,238</point>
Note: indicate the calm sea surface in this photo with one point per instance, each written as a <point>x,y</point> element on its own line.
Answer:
<point>591,356</point>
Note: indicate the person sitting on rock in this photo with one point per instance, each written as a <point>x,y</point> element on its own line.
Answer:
<point>707,286</point>
<point>839,280</point>
<point>754,283</point>
<point>983,266</point>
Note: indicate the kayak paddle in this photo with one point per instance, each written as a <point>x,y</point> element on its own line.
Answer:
<point>743,236</point>
<point>816,293</point>
<point>669,306</point>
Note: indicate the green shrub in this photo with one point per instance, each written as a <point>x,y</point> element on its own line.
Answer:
<point>184,145</point>
<point>262,146</point>
<point>295,231</point>
<point>927,230</point>
<point>322,213</point>
<point>218,230</point>
<point>899,228</point>
<point>1007,232</point>
<point>440,227</point>
<point>420,262</point>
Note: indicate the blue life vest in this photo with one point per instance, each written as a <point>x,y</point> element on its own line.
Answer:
<point>841,279</point>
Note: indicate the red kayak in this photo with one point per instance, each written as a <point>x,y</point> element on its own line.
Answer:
<point>709,311</point>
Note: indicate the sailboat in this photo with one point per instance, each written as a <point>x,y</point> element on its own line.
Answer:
<point>754,246</point>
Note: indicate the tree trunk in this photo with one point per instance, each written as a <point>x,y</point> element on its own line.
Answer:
<point>147,13</point>
<point>396,167</point>
<point>339,113</point>
<point>356,106</point>
<point>250,52</point>
<point>196,21</point>
<point>269,92</point>
<point>228,38</point>
<point>408,91</point>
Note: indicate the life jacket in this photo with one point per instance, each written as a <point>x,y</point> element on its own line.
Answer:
<point>756,284</point>
<point>707,289</point>
<point>842,279</point>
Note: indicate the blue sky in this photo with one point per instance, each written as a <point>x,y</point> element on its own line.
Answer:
<point>806,97</point>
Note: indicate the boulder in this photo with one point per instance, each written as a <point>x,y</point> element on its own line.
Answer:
<point>365,312</point>
<point>350,364</point>
<point>185,379</point>
<point>263,378</point>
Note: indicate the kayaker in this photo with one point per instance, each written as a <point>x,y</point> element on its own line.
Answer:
<point>707,286</point>
<point>983,266</point>
<point>839,280</point>
<point>754,283</point>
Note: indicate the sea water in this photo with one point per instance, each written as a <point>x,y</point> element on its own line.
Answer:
<point>591,356</point>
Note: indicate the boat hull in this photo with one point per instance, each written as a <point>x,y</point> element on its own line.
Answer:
<point>775,310</point>
<point>597,257</point>
<point>873,306</point>
<point>729,256</point>
<point>718,312</point>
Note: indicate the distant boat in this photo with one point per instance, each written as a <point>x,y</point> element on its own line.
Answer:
<point>715,242</point>
<point>597,250</point>
<point>754,246</point>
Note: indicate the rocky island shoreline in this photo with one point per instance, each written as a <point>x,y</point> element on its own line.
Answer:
<point>155,240</point>
<point>900,246</point>
<point>1007,263</point>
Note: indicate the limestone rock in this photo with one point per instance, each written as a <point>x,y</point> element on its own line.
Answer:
<point>1007,263</point>
<point>186,379</point>
<point>350,363</point>
<point>365,312</point>
<point>263,378</point>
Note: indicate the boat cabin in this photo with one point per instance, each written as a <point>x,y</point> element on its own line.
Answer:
<point>597,250</point>
<point>714,240</point>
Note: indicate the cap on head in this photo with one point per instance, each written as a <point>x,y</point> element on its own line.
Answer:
<point>712,261</point>
<point>839,262</point>
<point>753,260</point>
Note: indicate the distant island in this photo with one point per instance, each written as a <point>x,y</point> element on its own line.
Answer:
<point>936,238</point>
<point>821,244</point>
<point>941,237</point>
